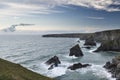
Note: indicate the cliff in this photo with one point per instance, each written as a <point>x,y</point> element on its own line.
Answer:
<point>110,39</point>
<point>70,35</point>
<point>11,71</point>
<point>110,45</point>
<point>106,35</point>
<point>98,36</point>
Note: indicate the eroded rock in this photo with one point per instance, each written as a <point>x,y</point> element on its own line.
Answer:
<point>53,62</point>
<point>76,51</point>
<point>78,66</point>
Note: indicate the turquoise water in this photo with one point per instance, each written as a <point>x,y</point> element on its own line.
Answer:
<point>31,51</point>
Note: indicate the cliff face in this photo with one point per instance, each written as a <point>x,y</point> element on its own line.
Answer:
<point>110,39</point>
<point>110,45</point>
<point>98,36</point>
<point>106,35</point>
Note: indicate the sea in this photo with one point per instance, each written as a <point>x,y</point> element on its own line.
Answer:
<point>32,51</point>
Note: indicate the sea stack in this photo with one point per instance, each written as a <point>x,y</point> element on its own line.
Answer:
<point>76,51</point>
<point>53,62</point>
<point>90,41</point>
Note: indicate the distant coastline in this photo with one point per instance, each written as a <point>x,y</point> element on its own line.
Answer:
<point>109,39</point>
<point>101,34</point>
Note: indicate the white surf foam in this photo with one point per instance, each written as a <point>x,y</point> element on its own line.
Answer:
<point>96,70</point>
<point>56,71</point>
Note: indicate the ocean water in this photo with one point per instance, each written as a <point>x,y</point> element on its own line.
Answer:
<point>32,51</point>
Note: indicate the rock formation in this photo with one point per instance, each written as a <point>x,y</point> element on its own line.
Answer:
<point>114,67</point>
<point>76,51</point>
<point>78,66</point>
<point>90,41</point>
<point>53,62</point>
<point>110,45</point>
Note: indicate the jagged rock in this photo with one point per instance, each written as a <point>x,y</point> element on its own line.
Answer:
<point>77,66</point>
<point>90,41</point>
<point>107,65</point>
<point>53,62</point>
<point>76,51</point>
<point>114,67</point>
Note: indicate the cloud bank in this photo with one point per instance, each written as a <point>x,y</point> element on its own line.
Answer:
<point>32,7</point>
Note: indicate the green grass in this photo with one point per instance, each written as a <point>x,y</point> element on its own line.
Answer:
<point>11,71</point>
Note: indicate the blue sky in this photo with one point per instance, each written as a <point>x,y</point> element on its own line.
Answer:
<point>61,15</point>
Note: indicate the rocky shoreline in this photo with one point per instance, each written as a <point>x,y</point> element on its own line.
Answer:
<point>114,67</point>
<point>109,39</point>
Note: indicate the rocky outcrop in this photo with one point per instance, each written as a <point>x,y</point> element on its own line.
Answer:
<point>90,41</point>
<point>78,66</point>
<point>76,51</point>
<point>110,45</point>
<point>53,62</point>
<point>114,67</point>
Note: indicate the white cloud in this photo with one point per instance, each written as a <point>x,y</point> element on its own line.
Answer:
<point>28,7</point>
<point>99,18</point>
<point>97,4</point>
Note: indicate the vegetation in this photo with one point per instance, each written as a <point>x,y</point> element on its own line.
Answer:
<point>11,71</point>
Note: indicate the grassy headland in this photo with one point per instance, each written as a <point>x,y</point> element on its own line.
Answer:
<point>11,71</point>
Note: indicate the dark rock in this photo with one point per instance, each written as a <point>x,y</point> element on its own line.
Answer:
<point>77,66</point>
<point>114,67</point>
<point>90,41</point>
<point>76,51</point>
<point>54,61</point>
<point>107,65</point>
<point>87,47</point>
<point>51,67</point>
<point>78,41</point>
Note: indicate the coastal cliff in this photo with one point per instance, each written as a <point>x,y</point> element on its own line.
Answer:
<point>110,45</point>
<point>98,36</point>
<point>110,39</point>
<point>11,71</point>
<point>107,35</point>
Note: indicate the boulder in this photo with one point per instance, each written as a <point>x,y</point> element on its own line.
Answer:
<point>76,51</point>
<point>77,66</point>
<point>53,62</point>
<point>90,41</point>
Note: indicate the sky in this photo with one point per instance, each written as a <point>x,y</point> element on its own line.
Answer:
<point>61,15</point>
